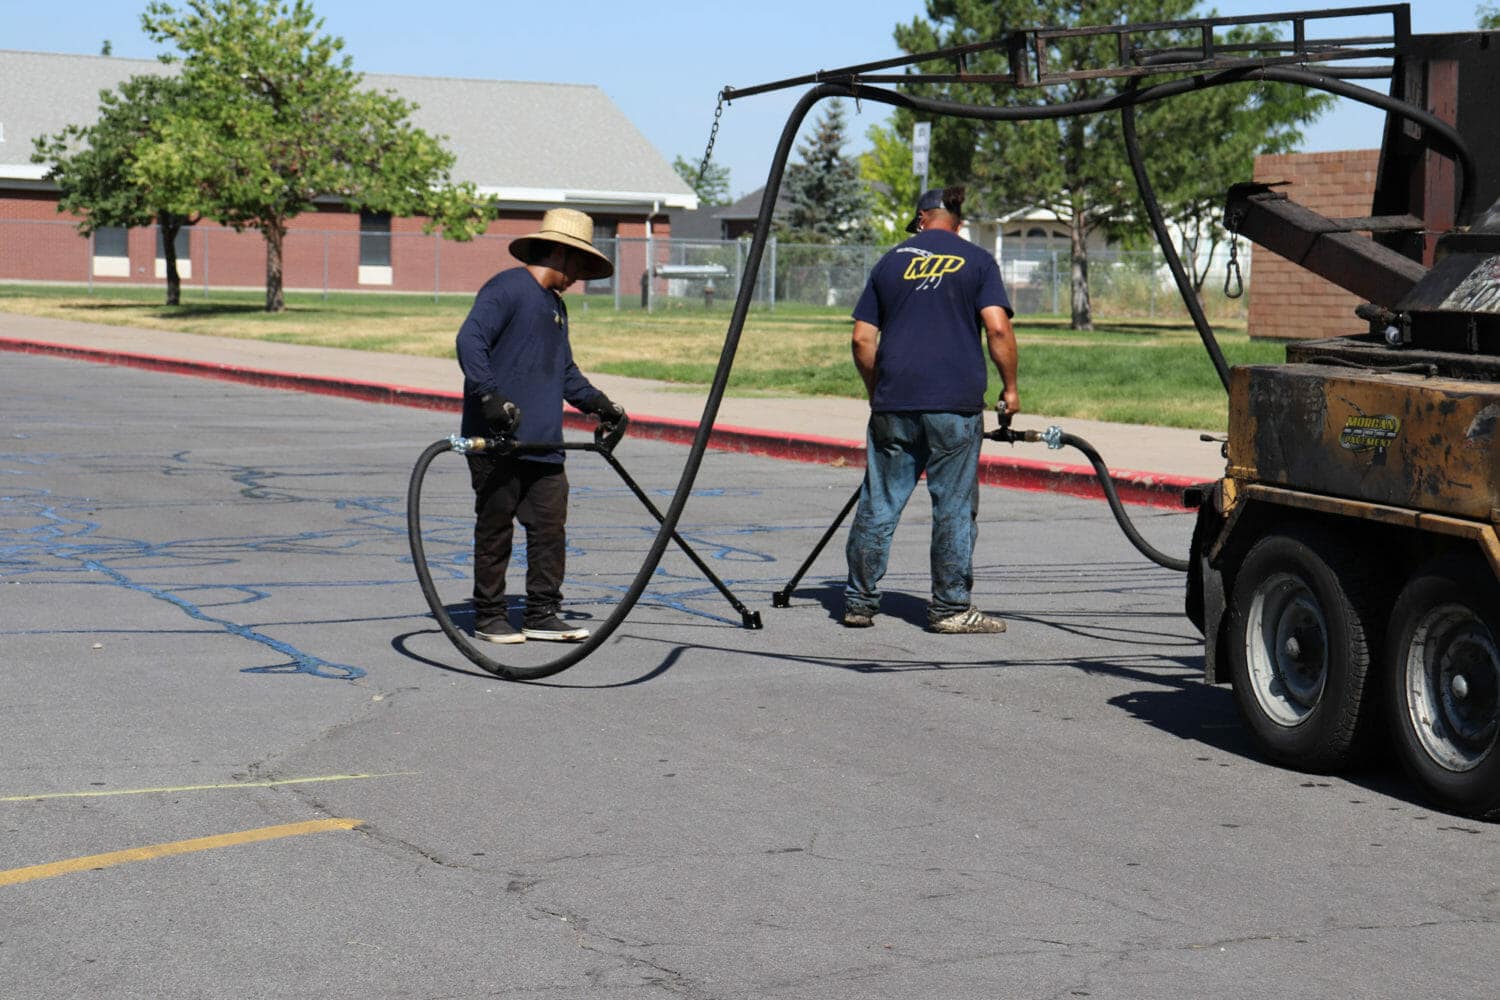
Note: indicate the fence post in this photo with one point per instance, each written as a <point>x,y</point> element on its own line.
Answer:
<point>88,264</point>
<point>772,301</point>
<point>325,265</point>
<point>1054,282</point>
<point>616,282</point>
<point>739,268</point>
<point>1151,283</point>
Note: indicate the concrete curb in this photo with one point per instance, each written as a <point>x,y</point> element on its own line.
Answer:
<point>1138,488</point>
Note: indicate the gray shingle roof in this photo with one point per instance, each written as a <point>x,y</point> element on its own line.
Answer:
<point>527,142</point>
<point>748,207</point>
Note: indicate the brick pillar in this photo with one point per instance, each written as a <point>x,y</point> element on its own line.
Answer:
<point>1287,302</point>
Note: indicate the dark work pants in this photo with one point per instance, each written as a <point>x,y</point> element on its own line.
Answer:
<point>507,490</point>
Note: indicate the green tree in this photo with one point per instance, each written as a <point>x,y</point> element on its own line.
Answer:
<point>712,188</point>
<point>826,200</point>
<point>1076,167</point>
<point>93,165</point>
<point>1488,15</point>
<point>274,117</point>
<point>887,172</point>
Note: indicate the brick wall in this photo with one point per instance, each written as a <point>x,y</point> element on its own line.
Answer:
<point>1286,301</point>
<point>321,250</point>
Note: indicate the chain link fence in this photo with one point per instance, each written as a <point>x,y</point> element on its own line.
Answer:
<point>649,273</point>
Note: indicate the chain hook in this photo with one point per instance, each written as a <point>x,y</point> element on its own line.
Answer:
<point>1234,282</point>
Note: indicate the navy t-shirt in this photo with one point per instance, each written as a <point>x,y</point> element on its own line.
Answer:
<point>925,295</point>
<point>515,342</point>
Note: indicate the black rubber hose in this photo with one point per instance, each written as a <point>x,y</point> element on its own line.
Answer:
<point>1101,471</point>
<point>1435,127</point>
<point>424,575</point>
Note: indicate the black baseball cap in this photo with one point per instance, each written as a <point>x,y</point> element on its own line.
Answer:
<point>927,202</point>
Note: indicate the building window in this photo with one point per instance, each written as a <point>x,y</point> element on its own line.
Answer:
<point>604,242</point>
<point>183,247</point>
<point>112,252</point>
<point>375,248</point>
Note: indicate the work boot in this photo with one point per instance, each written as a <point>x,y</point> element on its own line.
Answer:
<point>970,622</point>
<point>858,619</point>
<point>498,630</point>
<point>551,628</point>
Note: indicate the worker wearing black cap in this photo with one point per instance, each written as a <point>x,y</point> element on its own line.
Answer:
<point>916,344</point>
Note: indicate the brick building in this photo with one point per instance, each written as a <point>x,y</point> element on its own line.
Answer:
<point>1286,301</point>
<point>533,146</point>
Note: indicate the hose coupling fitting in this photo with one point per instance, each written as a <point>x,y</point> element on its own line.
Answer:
<point>1053,437</point>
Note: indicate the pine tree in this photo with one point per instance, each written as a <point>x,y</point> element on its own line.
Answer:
<point>711,187</point>
<point>827,200</point>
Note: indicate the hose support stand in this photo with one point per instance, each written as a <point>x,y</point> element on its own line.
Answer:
<point>1053,437</point>
<point>605,439</point>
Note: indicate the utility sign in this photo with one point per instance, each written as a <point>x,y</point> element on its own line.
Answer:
<point>921,142</point>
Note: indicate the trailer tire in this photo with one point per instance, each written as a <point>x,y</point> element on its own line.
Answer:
<point>1301,621</point>
<point>1443,683</point>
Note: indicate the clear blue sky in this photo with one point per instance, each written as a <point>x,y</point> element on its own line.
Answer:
<point>662,62</point>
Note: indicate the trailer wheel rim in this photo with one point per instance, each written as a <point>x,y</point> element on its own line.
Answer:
<point>1287,648</point>
<point>1453,686</point>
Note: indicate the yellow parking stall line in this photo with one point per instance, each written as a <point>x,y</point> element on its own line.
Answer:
<point>202,788</point>
<point>16,876</point>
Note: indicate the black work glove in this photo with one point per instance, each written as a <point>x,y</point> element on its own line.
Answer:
<point>608,411</point>
<point>612,421</point>
<point>500,413</point>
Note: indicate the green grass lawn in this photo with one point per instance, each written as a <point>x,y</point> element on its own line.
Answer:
<point>1144,372</point>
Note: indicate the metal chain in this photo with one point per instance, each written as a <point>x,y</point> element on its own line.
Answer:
<point>713,135</point>
<point>1232,276</point>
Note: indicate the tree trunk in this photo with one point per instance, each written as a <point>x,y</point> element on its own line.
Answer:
<point>1083,311</point>
<point>275,233</point>
<point>170,227</point>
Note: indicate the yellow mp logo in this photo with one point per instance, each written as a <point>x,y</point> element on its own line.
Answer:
<point>932,266</point>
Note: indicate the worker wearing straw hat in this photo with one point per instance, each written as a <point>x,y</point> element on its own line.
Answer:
<point>518,371</point>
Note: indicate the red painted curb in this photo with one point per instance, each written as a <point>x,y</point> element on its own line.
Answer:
<point>1139,488</point>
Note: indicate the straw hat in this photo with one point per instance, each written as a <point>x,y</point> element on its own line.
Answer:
<point>565,227</point>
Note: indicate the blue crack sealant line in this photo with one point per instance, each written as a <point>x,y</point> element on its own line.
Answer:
<point>58,535</point>
<point>37,532</point>
<point>299,662</point>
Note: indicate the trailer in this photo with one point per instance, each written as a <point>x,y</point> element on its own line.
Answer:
<point>1345,570</point>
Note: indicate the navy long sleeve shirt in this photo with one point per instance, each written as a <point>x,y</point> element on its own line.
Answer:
<point>515,342</point>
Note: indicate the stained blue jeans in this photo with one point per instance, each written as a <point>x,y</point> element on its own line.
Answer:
<point>899,448</point>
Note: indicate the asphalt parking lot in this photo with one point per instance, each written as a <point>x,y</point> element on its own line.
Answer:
<point>241,760</point>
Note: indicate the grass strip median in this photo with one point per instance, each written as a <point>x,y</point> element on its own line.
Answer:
<point>1146,371</point>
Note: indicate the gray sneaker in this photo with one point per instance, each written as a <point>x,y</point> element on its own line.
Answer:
<point>969,622</point>
<point>498,630</point>
<point>858,619</point>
